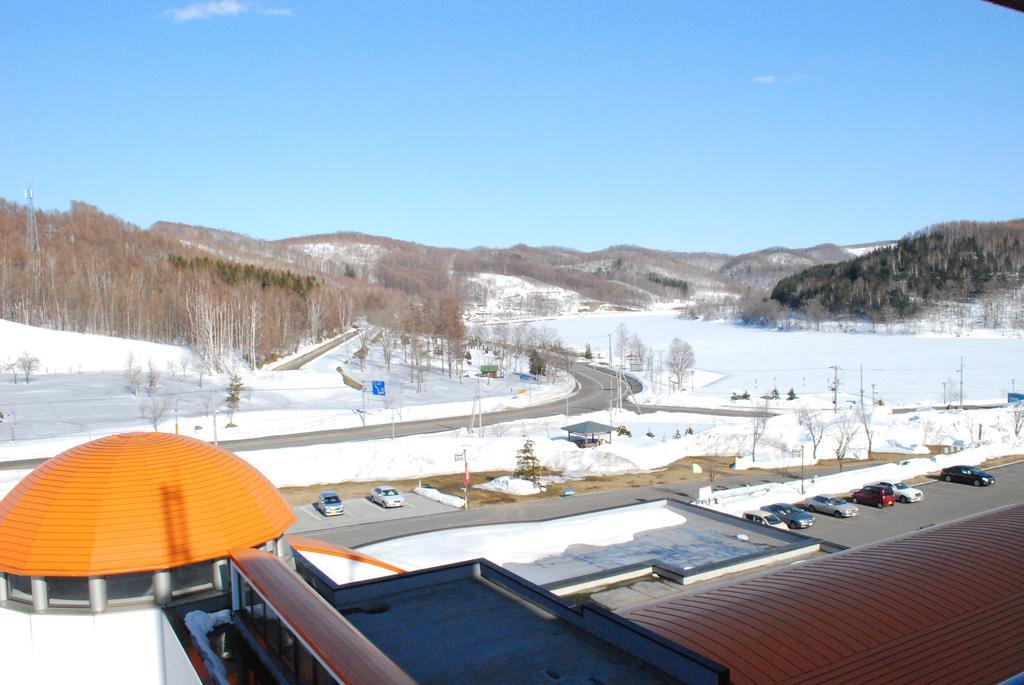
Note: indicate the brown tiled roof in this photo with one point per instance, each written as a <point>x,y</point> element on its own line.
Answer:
<point>340,647</point>
<point>943,604</point>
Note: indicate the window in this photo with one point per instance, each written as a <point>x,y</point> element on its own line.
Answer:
<point>192,578</point>
<point>126,588</point>
<point>20,588</point>
<point>68,592</point>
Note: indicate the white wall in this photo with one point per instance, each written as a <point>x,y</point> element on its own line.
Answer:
<point>136,647</point>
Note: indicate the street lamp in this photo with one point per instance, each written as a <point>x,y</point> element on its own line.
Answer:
<point>463,457</point>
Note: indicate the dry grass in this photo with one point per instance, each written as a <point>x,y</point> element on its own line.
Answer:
<point>712,467</point>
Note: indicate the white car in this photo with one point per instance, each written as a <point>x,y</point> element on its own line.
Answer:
<point>904,493</point>
<point>764,518</point>
<point>387,497</point>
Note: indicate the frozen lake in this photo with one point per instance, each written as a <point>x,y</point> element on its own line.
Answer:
<point>903,368</point>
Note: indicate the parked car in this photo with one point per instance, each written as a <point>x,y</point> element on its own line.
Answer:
<point>764,518</point>
<point>967,474</point>
<point>792,516</point>
<point>877,495</point>
<point>828,504</point>
<point>904,493</point>
<point>329,504</point>
<point>387,497</point>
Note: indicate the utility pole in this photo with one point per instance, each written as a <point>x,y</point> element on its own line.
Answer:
<point>862,388</point>
<point>943,392</point>
<point>835,388</point>
<point>31,232</point>
<point>961,382</point>
<point>611,402</point>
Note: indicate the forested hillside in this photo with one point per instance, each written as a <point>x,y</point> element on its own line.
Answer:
<point>96,273</point>
<point>953,262</point>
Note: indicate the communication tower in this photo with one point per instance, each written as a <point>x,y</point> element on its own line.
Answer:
<point>31,232</point>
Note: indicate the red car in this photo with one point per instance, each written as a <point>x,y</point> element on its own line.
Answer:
<point>878,495</point>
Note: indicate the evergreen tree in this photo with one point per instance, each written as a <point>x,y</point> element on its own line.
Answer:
<point>791,395</point>
<point>588,354</point>
<point>234,398</point>
<point>537,363</point>
<point>527,464</point>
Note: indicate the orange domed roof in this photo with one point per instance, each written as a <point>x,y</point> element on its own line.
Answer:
<point>136,502</point>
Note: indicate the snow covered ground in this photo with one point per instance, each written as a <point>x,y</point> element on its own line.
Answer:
<point>81,390</point>
<point>900,369</point>
<point>59,410</point>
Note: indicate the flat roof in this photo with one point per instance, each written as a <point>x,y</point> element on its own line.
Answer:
<point>473,622</point>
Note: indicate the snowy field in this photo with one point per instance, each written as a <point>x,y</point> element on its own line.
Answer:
<point>904,369</point>
<point>58,410</point>
<point>81,390</point>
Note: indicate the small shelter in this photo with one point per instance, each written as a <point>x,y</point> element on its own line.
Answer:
<point>489,370</point>
<point>586,433</point>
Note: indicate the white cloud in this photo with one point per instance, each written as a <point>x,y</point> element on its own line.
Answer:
<point>222,8</point>
<point>766,80</point>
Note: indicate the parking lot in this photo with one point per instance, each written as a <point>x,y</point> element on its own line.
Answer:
<point>362,510</point>
<point>942,502</point>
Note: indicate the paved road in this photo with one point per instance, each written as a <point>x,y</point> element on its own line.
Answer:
<point>591,394</point>
<point>942,502</point>
<point>303,359</point>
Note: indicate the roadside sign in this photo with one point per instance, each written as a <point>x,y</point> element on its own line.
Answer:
<point>378,388</point>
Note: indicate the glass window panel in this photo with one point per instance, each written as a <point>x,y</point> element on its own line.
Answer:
<point>68,592</point>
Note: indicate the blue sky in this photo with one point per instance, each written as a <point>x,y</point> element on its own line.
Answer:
<point>722,126</point>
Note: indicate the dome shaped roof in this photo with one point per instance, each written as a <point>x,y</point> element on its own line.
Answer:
<point>136,502</point>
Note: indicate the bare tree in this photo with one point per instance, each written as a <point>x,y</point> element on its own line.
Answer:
<point>865,413</point>
<point>158,407</point>
<point>1017,418</point>
<point>28,364</point>
<point>133,374</point>
<point>13,368</point>
<point>757,427</point>
<point>680,359</point>
<point>846,427</point>
<point>152,378</point>
<point>813,422</point>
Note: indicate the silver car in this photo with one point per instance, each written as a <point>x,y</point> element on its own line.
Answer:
<point>387,497</point>
<point>792,516</point>
<point>828,504</point>
<point>329,504</point>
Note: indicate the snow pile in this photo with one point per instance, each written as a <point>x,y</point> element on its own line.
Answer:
<point>511,486</point>
<point>523,543</point>
<point>200,624</point>
<point>438,496</point>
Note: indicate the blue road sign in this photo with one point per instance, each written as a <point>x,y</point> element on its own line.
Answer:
<point>378,388</point>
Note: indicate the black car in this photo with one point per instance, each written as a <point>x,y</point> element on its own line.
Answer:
<point>791,515</point>
<point>971,475</point>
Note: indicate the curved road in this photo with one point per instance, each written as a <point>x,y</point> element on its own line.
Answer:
<point>591,394</point>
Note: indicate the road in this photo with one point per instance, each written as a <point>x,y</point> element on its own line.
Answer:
<point>942,502</point>
<point>591,394</point>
